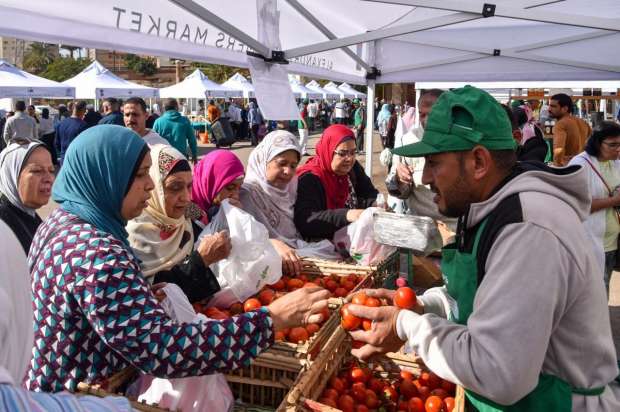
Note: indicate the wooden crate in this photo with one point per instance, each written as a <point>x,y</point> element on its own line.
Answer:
<point>309,386</point>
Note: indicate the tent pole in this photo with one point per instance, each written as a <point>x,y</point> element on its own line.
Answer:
<point>370,115</point>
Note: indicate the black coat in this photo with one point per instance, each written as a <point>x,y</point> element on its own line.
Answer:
<point>534,149</point>
<point>312,218</point>
<point>21,223</point>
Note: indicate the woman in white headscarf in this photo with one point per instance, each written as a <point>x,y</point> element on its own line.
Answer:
<point>16,340</point>
<point>26,178</point>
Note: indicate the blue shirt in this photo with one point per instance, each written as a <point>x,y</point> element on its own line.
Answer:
<point>113,118</point>
<point>66,131</point>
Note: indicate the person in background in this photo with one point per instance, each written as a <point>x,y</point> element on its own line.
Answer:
<point>47,133</point>
<point>569,133</point>
<point>213,112</point>
<point>359,124</point>
<point>163,237</point>
<point>333,189</point>
<point>20,125</point>
<point>201,108</point>
<point>234,114</point>
<point>150,121</point>
<point>313,112</point>
<point>112,112</point>
<point>255,119</point>
<point>26,178</point>
<point>3,118</point>
<point>391,127</point>
<point>177,129</point>
<point>134,116</point>
<point>339,112</point>
<point>69,128</point>
<point>92,116</point>
<point>63,113</point>
<point>600,160</point>
<point>302,127</point>
<point>90,295</point>
<point>532,145</point>
<point>32,112</point>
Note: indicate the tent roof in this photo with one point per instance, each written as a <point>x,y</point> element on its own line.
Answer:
<point>18,83</point>
<point>348,89</point>
<point>238,82</point>
<point>333,88</point>
<point>299,90</point>
<point>406,40</point>
<point>198,86</point>
<point>97,82</point>
<point>314,85</point>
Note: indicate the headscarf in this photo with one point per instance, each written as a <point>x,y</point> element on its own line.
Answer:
<point>16,317</point>
<point>336,187</point>
<point>271,206</point>
<point>99,167</point>
<point>216,170</point>
<point>408,119</point>
<point>155,237</point>
<point>384,114</point>
<point>527,130</point>
<point>12,161</point>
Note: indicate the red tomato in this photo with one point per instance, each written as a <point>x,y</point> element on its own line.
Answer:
<point>312,328</point>
<point>416,405</point>
<point>424,392</point>
<point>448,386</point>
<point>293,284</point>
<point>330,393</point>
<point>373,302</point>
<point>389,394</point>
<point>348,285</point>
<point>297,335</point>
<point>251,304</point>
<point>405,298</point>
<point>352,277</point>
<point>346,403</point>
<point>310,285</point>
<point>358,375</point>
<point>433,404</point>
<point>266,296</point>
<point>279,285</point>
<point>439,393</point>
<point>366,324</point>
<point>358,392</point>
<point>324,314</point>
<point>408,389</point>
<point>341,292</point>
<point>331,285</point>
<point>329,402</point>
<point>448,404</point>
<point>215,313</point>
<point>337,384</point>
<point>403,405</point>
<point>360,408</point>
<point>236,308</point>
<point>406,375</point>
<point>371,399</point>
<point>434,381</point>
<point>359,298</point>
<point>376,385</point>
<point>424,379</point>
<point>279,336</point>
<point>356,344</point>
<point>349,321</point>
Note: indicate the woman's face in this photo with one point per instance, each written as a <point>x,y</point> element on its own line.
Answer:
<point>139,192</point>
<point>36,179</point>
<point>230,191</point>
<point>281,169</point>
<point>177,193</point>
<point>610,148</point>
<point>344,158</point>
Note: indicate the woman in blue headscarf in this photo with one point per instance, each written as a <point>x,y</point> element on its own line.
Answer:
<point>94,311</point>
<point>382,122</point>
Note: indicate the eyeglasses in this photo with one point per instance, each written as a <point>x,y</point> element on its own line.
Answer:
<point>614,146</point>
<point>345,153</point>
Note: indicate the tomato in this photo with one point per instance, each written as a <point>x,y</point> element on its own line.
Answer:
<point>359,298</point>
<point>433,404</point>
<point>405,298</point>
<point>324,314</point>
<point>424,392</point>
<point>330,393</point>
<point>371,399</point>
<point>349,321</point>
<point>337,384</point>
<point>303,278</point>
<point>279,285</point>
<point>366,324</point>
<point>389,394</point>
<point>331,285</point>
<point>236,308</point>
<point>352,277</point>
<point>198,307</point>
<point>358,375</point>
<point>373,302</point>
<point>358,392</point>
<point>341,292</point>
<point>356,344</point>
<point>215,313</point>
<point>416,405</point>
<point>360,408</point>
<point>376,385</point>
<point>448,386</point>
<point>403,405</point>
<point>425,378</point>
<point>329,402</point>
<point>293,284</point>
<point>346,403</point>
<point>439,393</point>
<point>406,375</point>
<point>312,329</point>
<point>298,335</point>
<point>251,304</point>
<point>279,336</point>
<point>266,296</point>
<point>348,285</point>
<point>408,389</point>
<point>448,404</point>
<point>310,285</point>
<point>434,381</point>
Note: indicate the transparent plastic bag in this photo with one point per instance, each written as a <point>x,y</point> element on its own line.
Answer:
<point>253,261</point>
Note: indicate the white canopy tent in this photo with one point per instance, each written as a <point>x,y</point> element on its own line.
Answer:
<point>332,87</point>
<point>238,82</point>
<point>350,90</point>
<point>21,84</point>
<point>198,86</point>
<point>314,86</point>
<point>354,41</point>
<point>97,82</point>
<point>301,91</point>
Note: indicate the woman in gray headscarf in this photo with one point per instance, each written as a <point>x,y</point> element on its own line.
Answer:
<point>26,178</point>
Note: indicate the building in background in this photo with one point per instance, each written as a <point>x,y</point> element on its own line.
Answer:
<point>12,50</point>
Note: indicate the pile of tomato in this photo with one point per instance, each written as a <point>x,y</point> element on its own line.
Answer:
<point>357,389</point>
<point>337,285</point>
<point>404,298</point>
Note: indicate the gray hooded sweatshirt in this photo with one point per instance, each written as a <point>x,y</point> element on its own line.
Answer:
<point>541,306</point>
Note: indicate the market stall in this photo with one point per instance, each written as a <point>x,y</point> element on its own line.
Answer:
<point>198,86</point>
<point>302,92</point>
<point>314,85</point>
<point>21,84</point>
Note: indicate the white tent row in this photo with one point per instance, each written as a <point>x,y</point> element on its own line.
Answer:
<point>198,86</point>
<point>355,41</point>
<point>97,82</point>
<point>20,84</point>
<point>240,83</point>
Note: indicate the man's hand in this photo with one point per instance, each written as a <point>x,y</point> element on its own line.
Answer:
<point>291,263</point>
<point>382,336</point>
<point>354,214</point>
<point>404,174</point>
<point>215,247</point>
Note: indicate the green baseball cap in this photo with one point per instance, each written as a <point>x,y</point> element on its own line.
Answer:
<point>460,120</point>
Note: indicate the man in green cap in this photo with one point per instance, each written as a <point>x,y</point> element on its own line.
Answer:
<point>522,322</point>
<point>359,124</point>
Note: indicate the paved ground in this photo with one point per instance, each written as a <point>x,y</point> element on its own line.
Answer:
<point>243,149</point>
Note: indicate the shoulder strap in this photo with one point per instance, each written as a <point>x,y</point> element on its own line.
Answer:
<point>611,192</point>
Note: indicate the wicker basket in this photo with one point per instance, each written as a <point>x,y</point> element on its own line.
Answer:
<point>309,386</point>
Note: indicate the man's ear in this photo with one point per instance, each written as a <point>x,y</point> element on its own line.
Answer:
<point>482,162</point>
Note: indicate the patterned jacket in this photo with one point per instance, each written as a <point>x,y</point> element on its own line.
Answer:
<point>94,314</point>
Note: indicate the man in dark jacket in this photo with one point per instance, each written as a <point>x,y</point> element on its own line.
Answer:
<point>112,112</point>
<point>92,116</point>
<point>70,128</point>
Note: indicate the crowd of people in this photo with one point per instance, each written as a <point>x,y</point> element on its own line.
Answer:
<point>525,278</point>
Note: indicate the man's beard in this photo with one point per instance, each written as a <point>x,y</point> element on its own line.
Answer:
<point>456,199</point>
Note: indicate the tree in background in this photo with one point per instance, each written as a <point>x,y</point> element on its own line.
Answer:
<point>219,73</point>
<point>63,68</point>
<point>39,56</point>
<point>146,66</point>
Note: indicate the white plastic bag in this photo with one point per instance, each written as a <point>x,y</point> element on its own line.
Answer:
<point>319,250</point>
<point>358,238</point>
<point>196,393</point>
<point>253,261</point>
